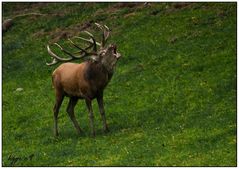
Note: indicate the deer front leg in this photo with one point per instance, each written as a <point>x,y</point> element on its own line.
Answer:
<point>102,112</point>
<point>91,116</point>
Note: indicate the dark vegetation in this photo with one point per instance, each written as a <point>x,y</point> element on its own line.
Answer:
<point>171,102</point>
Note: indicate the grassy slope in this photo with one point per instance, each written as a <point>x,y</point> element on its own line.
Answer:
<point>171,102</point>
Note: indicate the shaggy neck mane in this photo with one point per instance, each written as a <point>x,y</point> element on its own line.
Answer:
<point>107,67</point>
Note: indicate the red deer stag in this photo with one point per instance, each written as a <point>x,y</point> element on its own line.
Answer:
<point>86,80</point>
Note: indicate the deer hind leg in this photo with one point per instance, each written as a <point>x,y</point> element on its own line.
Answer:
<point>91,116</point>
<point>70,111</point>
<point>59,99</point>
<point>102,112</point>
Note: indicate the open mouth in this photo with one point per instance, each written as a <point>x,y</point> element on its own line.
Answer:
<point>115,50</point>
<point>117,55</point>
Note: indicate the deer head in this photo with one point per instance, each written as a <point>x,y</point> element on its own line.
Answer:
<point>97,52</point>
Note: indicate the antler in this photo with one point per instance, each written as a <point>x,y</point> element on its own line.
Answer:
<point>83,52</point>
<point>57,59</point>
<point>105,35</point>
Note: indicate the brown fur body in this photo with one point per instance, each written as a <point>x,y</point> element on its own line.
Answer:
<point>84,81</point>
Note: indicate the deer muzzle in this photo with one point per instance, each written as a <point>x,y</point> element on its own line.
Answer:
<point>117,55</point>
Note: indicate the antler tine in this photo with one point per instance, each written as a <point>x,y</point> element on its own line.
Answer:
<point>99,26</point>
<point>54,55</point>
<point>93,39</point>
<point>90,46</point>
<point>106,27</point>
<point>108,31</point>
<point>87,40</point>
<point>83,50</point>
<point>54,61</point>
<point>105,35</point>
<point>67,52</point>
<point>56,58</point>
<point>89,33</point>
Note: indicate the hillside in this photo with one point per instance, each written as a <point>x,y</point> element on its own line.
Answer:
<point>171,101</point>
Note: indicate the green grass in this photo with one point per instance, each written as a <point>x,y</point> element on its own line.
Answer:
<point>171,102</point>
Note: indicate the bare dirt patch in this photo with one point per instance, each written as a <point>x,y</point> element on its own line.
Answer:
<point>181,5</point>
<point>65,33</point>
